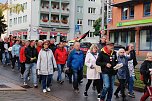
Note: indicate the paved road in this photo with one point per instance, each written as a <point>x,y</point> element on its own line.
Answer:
<point>58,92</point>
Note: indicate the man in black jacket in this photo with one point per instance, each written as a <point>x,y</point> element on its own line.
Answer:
<point>30,63</point>
<point>107,59</point>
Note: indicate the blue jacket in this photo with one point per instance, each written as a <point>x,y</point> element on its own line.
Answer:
<point>123,72</point>
<point>16,50</point>
<point>75,60</point>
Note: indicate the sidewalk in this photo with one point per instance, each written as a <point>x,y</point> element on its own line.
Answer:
<point>58,92</point>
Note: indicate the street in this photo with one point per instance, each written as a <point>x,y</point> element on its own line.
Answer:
<point>58,92</point>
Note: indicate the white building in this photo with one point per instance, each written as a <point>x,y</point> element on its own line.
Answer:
<point>44,19</point>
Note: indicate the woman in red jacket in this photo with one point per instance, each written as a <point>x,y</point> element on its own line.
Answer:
<point>61,58</point>
<point>22,57</point>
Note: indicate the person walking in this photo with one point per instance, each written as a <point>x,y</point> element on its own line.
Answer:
<point>92,74</point>
<point>76,63</point>
<point>107,59</point>
<point>52,45</point>
<point>122,74</point>
<point>30,63</point>
<point>146,72</point>
<point>22,57</point>
<point>132,62</point>
<point>15,54</point>
<point>61,58</point>
<point>45,64</point>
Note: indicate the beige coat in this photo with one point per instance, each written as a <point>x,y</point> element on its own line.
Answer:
<point>89,61</point>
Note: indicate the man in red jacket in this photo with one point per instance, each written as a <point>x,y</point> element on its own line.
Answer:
<point>61,58</point>
<point>22,57</point>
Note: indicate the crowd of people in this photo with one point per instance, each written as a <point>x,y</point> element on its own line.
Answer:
<point>42,58</point>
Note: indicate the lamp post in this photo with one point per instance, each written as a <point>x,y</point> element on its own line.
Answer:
<point>102,16</point>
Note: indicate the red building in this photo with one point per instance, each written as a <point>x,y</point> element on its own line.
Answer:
<point>132,23</point>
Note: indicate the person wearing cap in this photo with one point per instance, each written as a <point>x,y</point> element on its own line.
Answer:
<point>102,42</point>
<point>107,59</point>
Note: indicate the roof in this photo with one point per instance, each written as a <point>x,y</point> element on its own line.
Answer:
<point>129,2</point>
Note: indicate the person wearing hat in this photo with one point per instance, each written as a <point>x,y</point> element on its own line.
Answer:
<point>107,59</point>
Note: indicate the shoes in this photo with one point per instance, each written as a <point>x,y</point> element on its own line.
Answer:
<point>28,78</point>
<point>116,95</point>
<point>44,91</point>
<point>131,95</point>
<point>85,94</point>
<point>76,91</point>
<point>25,84</point>
<point>61,82</point>
<point>35,86</point>
<point>98,97</point>
<point>13,69</point>
<point>48,89</point>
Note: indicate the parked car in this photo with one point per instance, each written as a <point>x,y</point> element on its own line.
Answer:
<point>84,46</point>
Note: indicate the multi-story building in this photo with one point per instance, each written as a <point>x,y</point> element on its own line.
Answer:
<point>44,19</point>
<point>132,23</point>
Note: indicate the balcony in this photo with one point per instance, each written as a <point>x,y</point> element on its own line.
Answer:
<point>55,7</point>
<point>55,20</point>
<point>64,23</point>
<point>44,19</point>
<point>65,1</point>
<point>65,8</point>
<point>44,6</point>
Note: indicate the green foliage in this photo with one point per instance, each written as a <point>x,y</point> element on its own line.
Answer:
<point>3,26</point>
<point>96,26</point>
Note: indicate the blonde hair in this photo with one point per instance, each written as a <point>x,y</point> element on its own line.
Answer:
<point>121,49</point>
<point>93,46</point>
<point>148,54</point>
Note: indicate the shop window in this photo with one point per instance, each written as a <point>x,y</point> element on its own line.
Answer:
<point>145,40</point>
<point>24,37</point>
<point>147,8</point>
<point>43,37</point>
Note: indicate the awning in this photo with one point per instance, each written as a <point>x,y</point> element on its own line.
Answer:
<point>128,3</point>
<point>19,33</point>
<point>129,27</point>
<point>55,33</point>
<point>43,33</point>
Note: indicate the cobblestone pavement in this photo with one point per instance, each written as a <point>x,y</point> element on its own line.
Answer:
<point>58,92</point>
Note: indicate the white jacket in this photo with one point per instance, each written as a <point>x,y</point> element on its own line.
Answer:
<point>46,62</point>
<point>89,61</point>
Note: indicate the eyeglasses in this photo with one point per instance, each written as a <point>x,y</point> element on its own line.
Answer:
<point>46,44</point>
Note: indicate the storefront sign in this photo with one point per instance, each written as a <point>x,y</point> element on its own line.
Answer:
<point>137,22</point>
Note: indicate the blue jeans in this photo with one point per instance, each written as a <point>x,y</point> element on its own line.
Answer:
<point>77,77</point>
<point>14,59</point>
<point>46,80</point>
<point>5,58</point>
<point>31,66</point>
<point>60,69</point>
<point>108,85</point>
<point>131,84</point>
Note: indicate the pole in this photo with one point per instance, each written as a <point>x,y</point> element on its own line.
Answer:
<point>102,24</point>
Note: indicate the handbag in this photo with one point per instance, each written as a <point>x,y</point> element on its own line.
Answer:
<point>97,68</point>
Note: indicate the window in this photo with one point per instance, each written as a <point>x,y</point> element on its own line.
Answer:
<point>24,18</point>
<point>10,23</point>
<point>10,11</point>
<point>79,9</point>
<point>19,20</point>
<point>15,21</point>
<point>91,34</point>
<point>25,5</point>
<point>131,12</point>
<point>91,22</point>
<point>91,10</point>
<point>147,9</point>
<point>124,13</point>
<point>145,40</point>
<point>79,21</point>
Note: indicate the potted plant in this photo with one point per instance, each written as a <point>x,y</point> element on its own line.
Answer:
<point>63,8</point>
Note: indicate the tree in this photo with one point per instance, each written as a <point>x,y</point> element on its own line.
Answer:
<point>3,26</point>
<point>17,8</point>
<point>97,26</point>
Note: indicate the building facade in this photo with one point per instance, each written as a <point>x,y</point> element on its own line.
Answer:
<point>45,19</point>
<point>132,23</point>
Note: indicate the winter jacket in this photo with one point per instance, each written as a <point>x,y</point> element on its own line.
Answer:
<point>46,62</point>
<point>16,50</point>
<point>123,72</point>
<point>60,56</point>
<point>144,70</point>
<point>104,58</point>
<point>38,48</point>
<point>53,47</point>
<point>90,60</point>
<point>31,52</point>
<point>76,60</point>
<point>22,54</point>
<point>3,48</point>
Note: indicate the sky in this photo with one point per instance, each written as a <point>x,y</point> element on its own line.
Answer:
<point>2,1</point>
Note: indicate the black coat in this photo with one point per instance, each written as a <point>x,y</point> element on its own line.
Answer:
<point>2,46</point>
<point>102,61</point>
<point>144,70</point>
<point>31,52</point>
